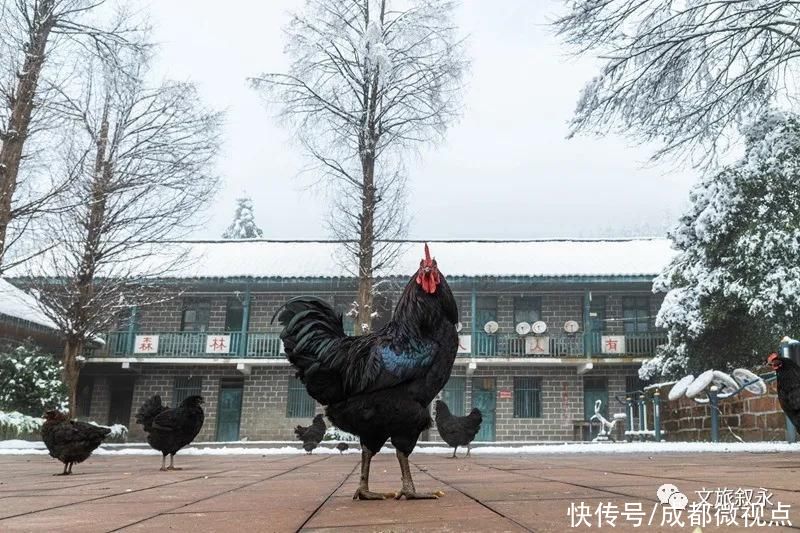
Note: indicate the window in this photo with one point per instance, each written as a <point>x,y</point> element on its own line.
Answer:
<point>299,404</point>
<point>597,314</point>
<point>527,309</point>
<point>344,304</point>
<point>485,310</point>
<point>527,397</point>
<point>234,314</point>
<point>453,395</point>
<point>636,314</point>
<point>187,386</point>
<point>195,315</point>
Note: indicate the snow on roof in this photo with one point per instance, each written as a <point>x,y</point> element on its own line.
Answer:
<point>538,258</point>
<point>19,304</point>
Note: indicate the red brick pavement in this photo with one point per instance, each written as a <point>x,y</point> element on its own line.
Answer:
<point>250,493</point>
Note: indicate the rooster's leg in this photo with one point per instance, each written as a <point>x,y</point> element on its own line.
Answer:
<point>171,463</point>
<point>163,463</point>
<point>363,492</point>
<point>469,449</point>
<point>69,470</point>
<point>455,449</point>
<point>408,489</point>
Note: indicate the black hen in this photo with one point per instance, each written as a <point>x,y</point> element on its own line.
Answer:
<point>311,435</point>
<point>169,430</point>
<point>70,441</point>
<point>342,447</point>
<point>378,386</point>
<point>457,430</point>
<point>788,382</point>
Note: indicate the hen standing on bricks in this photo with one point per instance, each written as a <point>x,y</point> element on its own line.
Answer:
<point>457,430</point>
<point>378,386</point>
<point>311,435</point>
<point>169,430</point>
<point>70,441</point>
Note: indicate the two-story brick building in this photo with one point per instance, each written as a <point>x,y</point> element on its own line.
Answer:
<point>547,327</point>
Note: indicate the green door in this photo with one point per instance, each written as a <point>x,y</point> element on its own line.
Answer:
<point>594,388</point>
<point>484,397</point>
<point>230,411</point>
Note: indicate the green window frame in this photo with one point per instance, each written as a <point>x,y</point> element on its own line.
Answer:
<point>185,386</point>
<point>234,314</point>
<point>527,309</point>
<point>633,387</point>
<point>636,314</point>
<point>454,395</point>
<point>195,315</point>
<point>527,397</point>
<point>485,310</point>
<point>298,403</point>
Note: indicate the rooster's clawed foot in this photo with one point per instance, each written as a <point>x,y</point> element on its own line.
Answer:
<point>410,495</point>
<point>362,494</point>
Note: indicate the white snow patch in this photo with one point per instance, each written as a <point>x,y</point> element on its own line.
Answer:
<point>17,303</point>
<point>282,259</point>
<point>16,447</point>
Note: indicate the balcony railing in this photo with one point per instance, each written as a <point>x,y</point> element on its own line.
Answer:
<point>565,345</point>
<point>191,344</point>
<point>262,345</point>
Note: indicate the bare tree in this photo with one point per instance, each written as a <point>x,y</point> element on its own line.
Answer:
<point>684,74</point>
<point>35,34</point>
<point>141,159</point>
<point>368,82</point>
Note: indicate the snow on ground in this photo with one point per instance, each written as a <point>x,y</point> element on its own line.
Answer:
<point>18,447</point>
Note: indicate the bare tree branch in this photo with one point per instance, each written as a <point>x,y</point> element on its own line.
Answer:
<point>368,83</point>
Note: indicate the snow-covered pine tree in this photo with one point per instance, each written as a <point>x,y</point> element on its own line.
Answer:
<point>734,288</point>
<point>30,381</point>
<point>244,222</point>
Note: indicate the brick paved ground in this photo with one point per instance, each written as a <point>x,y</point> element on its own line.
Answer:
<point>313,493</point>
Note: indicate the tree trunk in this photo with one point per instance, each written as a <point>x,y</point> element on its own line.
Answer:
<point>21,108</point>
<point>366,248</point>
<point>72,370</point>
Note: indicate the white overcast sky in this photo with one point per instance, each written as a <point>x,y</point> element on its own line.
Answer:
<point>505,170</point>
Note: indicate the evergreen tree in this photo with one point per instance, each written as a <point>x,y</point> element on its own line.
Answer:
<point>244,223</point>
<point>30,381</point>
<point>734,289</point>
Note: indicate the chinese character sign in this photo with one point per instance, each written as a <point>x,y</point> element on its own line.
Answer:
<point>612,344</point>
<point>218,344</point>
<point>145,344</point>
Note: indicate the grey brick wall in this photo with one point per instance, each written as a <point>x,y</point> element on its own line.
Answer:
<point>562,399</point>
<point>98,409</point>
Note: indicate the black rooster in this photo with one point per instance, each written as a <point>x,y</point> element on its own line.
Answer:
<point>311,435</point>
<point>342,447</point>
<point>70,441</point>
<point>169,430</point>
<point>457,430</point>
<point>378,386</point>
<point>788,382</point>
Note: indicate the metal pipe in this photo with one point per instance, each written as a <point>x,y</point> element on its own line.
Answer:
<point>713,401</point>
<point>657,416</point>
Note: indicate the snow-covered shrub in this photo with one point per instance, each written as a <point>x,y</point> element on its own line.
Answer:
<point>30,381</point>
<point>119,433</point>
<point>15,425</point>
<point>734,288</point>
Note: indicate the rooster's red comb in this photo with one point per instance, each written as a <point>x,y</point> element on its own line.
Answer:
<point>427,254</point>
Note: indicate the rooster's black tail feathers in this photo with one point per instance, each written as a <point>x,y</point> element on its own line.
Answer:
<point>312,334</point>
<point>149,410</point>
